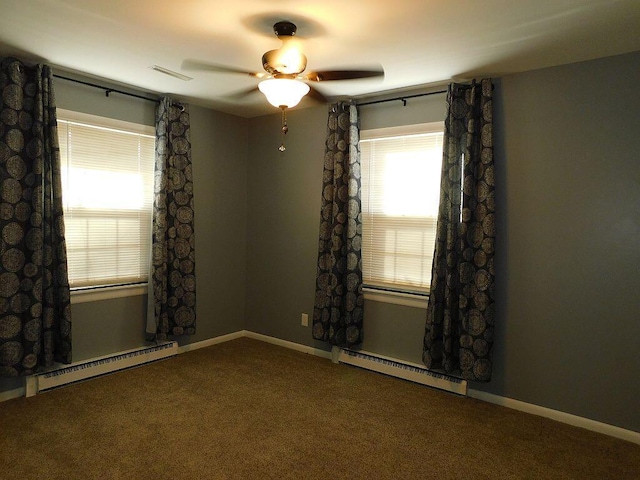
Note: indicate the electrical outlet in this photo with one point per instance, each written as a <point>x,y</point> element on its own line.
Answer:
<point>305,320</point>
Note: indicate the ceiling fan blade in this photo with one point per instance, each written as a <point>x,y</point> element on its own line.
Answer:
<point>214,67</point>
<point>242,93</point>
<point>315,94</point>
<point>331,75</point>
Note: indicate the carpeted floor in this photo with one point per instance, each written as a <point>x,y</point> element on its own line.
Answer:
<point>250,410</point>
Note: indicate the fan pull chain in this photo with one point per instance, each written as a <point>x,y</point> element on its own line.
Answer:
<point>285,128</point>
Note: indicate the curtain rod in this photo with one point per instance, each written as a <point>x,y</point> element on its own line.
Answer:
<point>107,90</point>
<point>402,99</point>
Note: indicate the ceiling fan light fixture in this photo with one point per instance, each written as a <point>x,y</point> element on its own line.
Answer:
<point>283,92</point>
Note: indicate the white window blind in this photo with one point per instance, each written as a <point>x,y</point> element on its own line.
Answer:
<point>401,190</point>
<point>107,185</point>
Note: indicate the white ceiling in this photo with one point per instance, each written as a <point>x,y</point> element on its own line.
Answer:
<point>417,42</point>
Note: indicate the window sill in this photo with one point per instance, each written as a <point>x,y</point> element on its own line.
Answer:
<point>396,298</point>
<point>107,293</point>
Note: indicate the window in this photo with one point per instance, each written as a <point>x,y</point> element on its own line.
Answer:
<point>401,190</point>
<point>107,186</point>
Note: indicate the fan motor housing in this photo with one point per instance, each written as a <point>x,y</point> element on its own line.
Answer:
<point>275,63</point>
<point>286,29</point>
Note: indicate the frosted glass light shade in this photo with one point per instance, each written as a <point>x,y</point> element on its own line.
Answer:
<point>283,92</point>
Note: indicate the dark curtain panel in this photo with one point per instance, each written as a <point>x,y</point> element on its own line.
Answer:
<point>460,315</point>
<point>172,280</point>
<point>35,314</point>
<point>338,310</point>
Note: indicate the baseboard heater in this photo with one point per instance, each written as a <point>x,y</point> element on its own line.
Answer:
<point>401,369</point>
<point>98,366</point>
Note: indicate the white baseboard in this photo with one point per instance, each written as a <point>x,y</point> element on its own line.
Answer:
<point>15,393</point>
<point>22,391</point>
<point>562,417</point>
<point>292,345</point>
<point>211,341</point>
<point>556,415</point>
<point>568,418</point>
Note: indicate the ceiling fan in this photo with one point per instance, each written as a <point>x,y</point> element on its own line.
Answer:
<point>284,83</point>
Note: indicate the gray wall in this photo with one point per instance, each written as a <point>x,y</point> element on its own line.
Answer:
<point>106,326</point>
<point>219,150</point>
<point>568,327</point>
<point>568,186</point>
<point>393,330</point>
<point>568,219</point>
<point>282,222</point>
<point>219,155</point>
<point>282,228</point>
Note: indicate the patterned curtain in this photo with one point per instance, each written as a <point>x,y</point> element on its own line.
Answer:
<point>35,314</point>
<point>338,310</point>
<point>172,281</point>
<point>460,314</point>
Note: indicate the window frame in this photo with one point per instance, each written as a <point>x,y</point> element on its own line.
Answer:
<point>379,293</point>
<point>84,294</point>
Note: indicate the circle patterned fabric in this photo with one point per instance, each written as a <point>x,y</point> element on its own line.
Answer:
<point>172,278</point>
<point>339,302</point>
<point>35,314</point>
<point>460,315</point>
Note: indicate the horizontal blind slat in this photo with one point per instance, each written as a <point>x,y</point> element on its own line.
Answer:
<point>107,176</point>
<point>400,196</point>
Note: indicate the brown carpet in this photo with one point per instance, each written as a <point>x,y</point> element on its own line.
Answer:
<point>248,409</point>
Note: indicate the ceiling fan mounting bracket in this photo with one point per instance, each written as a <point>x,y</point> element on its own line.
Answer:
<point>284,28</point>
